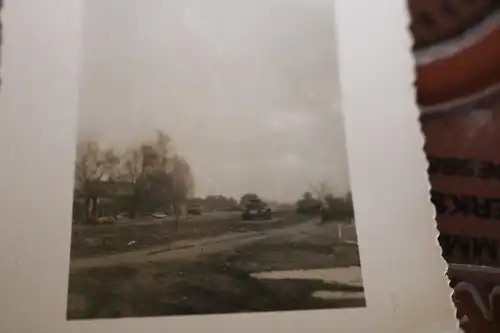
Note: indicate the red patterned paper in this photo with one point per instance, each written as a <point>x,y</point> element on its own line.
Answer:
<point>457,55</point>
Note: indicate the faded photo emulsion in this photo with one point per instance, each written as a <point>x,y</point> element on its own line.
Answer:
<point>211,171</point>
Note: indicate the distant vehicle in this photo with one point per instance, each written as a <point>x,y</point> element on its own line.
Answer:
<point>257,209</point>
<point>309,207</point>
<point>195,210</point>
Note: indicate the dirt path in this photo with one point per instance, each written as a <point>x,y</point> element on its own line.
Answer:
<point>189,249</point>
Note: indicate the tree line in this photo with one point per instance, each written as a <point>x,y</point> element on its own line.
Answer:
<point>320,200</point>
<point>216,203</point>
<point>154,176</point>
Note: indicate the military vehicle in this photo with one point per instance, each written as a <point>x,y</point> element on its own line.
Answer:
<point>256,209</point>
<point>194,210</point>
<point>309,207</point>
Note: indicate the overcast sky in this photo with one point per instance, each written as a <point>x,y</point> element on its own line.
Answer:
<point>247,89</point>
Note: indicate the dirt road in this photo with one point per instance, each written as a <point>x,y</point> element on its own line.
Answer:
<point>295,264</point>
<point>190,249</point>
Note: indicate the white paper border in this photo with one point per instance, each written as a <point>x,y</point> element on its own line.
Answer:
<point>402,270</point>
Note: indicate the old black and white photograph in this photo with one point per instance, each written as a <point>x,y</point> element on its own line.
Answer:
<point>211,170</point>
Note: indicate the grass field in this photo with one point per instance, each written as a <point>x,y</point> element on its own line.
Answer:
<point>100,240</point>
<point>212,272</point>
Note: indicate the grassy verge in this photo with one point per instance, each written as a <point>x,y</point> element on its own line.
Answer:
<point>93,241</point>
<point>220,283</point>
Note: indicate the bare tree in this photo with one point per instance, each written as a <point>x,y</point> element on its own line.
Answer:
<point>132,165</point>
<point>321,191</point>
<point>307,196</point>
<point>160,177</point>
<point>163,149</point>
<point>146,168</point>
<point>158,169</point>
<point>91,166</point>
<point>132,170</point>
<point>182,185</point>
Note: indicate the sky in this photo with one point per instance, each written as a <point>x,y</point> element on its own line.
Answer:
<point>247,89</point>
